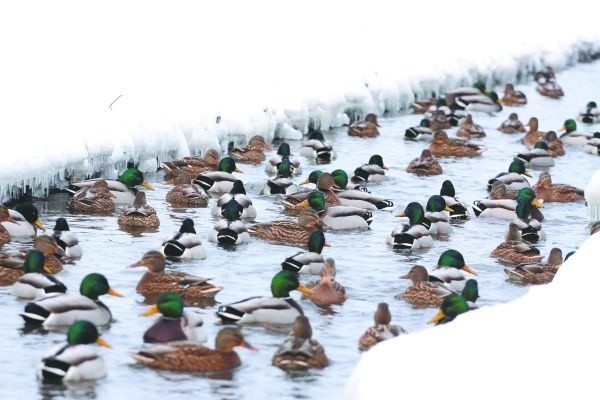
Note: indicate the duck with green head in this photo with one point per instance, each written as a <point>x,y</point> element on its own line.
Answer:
<point>355,196</point>
<point>438,212</point>
<point>74,360</point>
<point>459,209</point>
<point>451,307</point>
<point>372,171</point>
<point>538,157</point>
<point>279,308</point>
<point>515,179</point>
<point>230,229</point>
<point>416,234</point>
<point>507,209</point>
<point>324,184</point>
<point>590,114</point>
<point>283,151</point>
<point>315,147</point>
<point>238,194</point>
<point>282,183</point>
<point>311,261</point>
<point>35,282</point>
<point>449,270</point>
<point>338,217</point>
<point>529,226</point>
<point>221,180</point>
<point>573,136</point>
<point>23,221</point>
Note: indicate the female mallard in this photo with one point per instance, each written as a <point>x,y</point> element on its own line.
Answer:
<point>514,250</point>
<point>469,129</point>
<point>23,221</point>
<point>175,324</point>
<point>96,198</point>
<point>512,125</point>
<point>59,309</point>
<point>382,330</point>
<point>34,283</point>
<point>421,132</point>
<point>590,114</point>
<point>533,135</point>
<point>422,292</point>
<point>327,290</point>
<point>184,244</point>
<point>190,357</point>
<point>426,165</point>
<point>366,128</point>
<point>252,153</point>
<point>555,145</point>
<point>66,239</point>
<point>537,273</point>
<point>514,179</point>
<point>512,97</point>
<point>324,184</point>
<point>185,193</point>
<point>156,280</point>
<point>538,157</point>
<point>438,212</point>
<point>288,232</point>
<point>459,209</point>
<point>572,136</point>
<point>75,360</point>
<point>238,195</point>
<point>373,171</point>
<point>311,261</point>
<point>278,309</point>
<point>52,251</point>
<point>449,270</point>
<point>300,352</point>
<point>123,189</point>
<point>439,121</point>
<point>544,189</point>
<point>317,148</point>
<point>506,209</point>
<point>283,152</point>
<point>550,89</point>
<point>452,306</point>
<point>416,234</point>
<point>338,217</point>
<point>350,196</point>
<point>220,181</point>
<point>442,146</point>
<point>422,106</point>
<point>139,214</point>
<point>193,166</point>
<point>499,191</point>
<point>4,218</point>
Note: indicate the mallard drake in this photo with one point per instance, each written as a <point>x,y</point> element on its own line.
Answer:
<point>544,189</point>
<point>12,263</point>
<point>469,129</point>
<point>75,360</point>
<point>422,292</point>
<point>175,324</point>
<point>438,212</point>
<point>189,357</point>
<point>416,234</point>
<point>300,352</point>
<point>382,330</point>
<point>185,243</point>
<point>512,97</point>
<point>512,125</point>
<point>185,193</point>
<point>311,261</point>
<point>327,290</point>
<point>193,166</point>
<point>237,194</point>
<point>537,273</point>
<point>252,153</point>
<point>281,184</point>
<point>442,146</point>
<point>123,189</point>
<point>366,128</point>
<point>538,157</point>
<point>193,289</point>
<point>353,197</point>
<point>4,218</point>
<point>34,283</point>
<point>66,239</point>
<point>593,145</point>
<point>139,214</point>
<point>278,309</point>
<point>59,309</point>
<point>23,221</point>
<point>421,132</point>
<point>338,217</point>
<point>283,151</point>
<point>324,183</point>
<point>506,209</point>
<point>317,148</point>
<point>425,165</point>
<point>373,171</point>
<point>478,87</point>
<point>590,114</point>
<point>452,306</point>
<point>514,250</point>
<point>572,136</point>
<point>459,209</point>
<point>286,231</point>
<point>229,231</point>
<point>533,135</point>
<point>555,145</point>
<point>530,227</point>
<point>96,198</point>
<point>488,102</point>
<point>449,270</point>
<point>220,181</point>
<point>514,179</point>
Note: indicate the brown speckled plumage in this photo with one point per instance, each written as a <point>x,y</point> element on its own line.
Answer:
<point>469,129</point>
<point>512,125</point>
<point>442,146</point>
<point>139,214</point>
<point>252,153</point>
<point>425,165</point>
<point>47,245</point>
<point>382,330</point>
<point>94,199</point>
<point>4,216</point>
<point>514,250</point>
<point>539,273</point>
<point>555,145</point>
<point>11,269</point>
<point>185,193</point>
<point>288,232</point>
<point>300,352</point>
<point>533,135</point>
<point>422,293</point>
<point>366,128</point>
<point>327,290</point>
<point>549,192</point>
<point>192,165</point>
<point>513,97</point>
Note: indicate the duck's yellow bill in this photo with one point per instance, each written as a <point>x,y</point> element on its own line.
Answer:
<point>537,202</point>
<point>401,214</point>
<point>304,289</point>
<point>437,317</point>
<point>469,270</point>
<point>327,244</point>
<point>147,185</point>
<point>39,224</point>
<point>385,167</point>
<point>303,204</point>
<point>447,208</point>
<point>113,292</point>
<point>149,311</point>
<point>527,173</point>
<point>562,129</point>
<point>103,343</point>
<point>238,170</point>
<point>305,182</point>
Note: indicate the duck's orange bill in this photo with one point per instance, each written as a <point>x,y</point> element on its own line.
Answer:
<point>401,214</point>
<point>103,342</point>
<point>304,289</point>
<point>437,317</point>
<point>469,270</point>
<point>537,202</point>
<point>39,224</point>
<point>385,167</point>
<point>528,173</point>
<point>448,209</point>
<point>306,181</point>
<point>147,185</point>
<point>149,311</point>
<point>113,292</point>
<point>303,204</point>
<point>238,170</point>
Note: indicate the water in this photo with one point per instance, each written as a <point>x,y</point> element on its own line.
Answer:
<point>366,266</point>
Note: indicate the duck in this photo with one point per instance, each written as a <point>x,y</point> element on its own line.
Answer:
<point>220,181</point>
<point>514,250</point>
<point>60,309</point>
<point>538,157</point>
<point>139,214</point>
<point>367,128</point>
<point>4,218</point>
<point>317,148</point>
<point>512,125</point>
<point>590,114</point>
<point>193,289</point>
<point>35,283</point>
<point>338,217</point>
<point>487,103</point>
<point>373,171</point>
<point>438,212</point>
<point>572,136</point>
<point>555,145</point>
<point>506,208</point>
<point>23,221</point>
<point>442,146</point>
<point>452,306</point>
<point>185,193</point>
<point>593,145</point>
<point>229,232</point>
<point>512,97</point>
<point>381,330</point>
<point>238,195</point>
<point>191,357</point>
<point>547,191</point>
<point>252,153</point>
<point>421,132</point>
<point>422,106</point>
<point>324,183</point>
<point>74,360</point>
<point>529,227</point>
<point>448,270</point>
<point>349,195</point>
<point>281,184</point>
<point>533,135</point>
<point>300,351</point>
<point>439,120</point>
<point>311,261</point>
<point>515,179</point>
<point>283,151</point>
<point>286,231</point>
<point>416,234</point>
<point>425,165</point>
<point>459,209</point>
<point>545,75</point>
<point>175,324</point>
<point>185,244</point>
<point>499,191</point>
<point>537,273</point>
<point>192,165</point>
<point>550,89</point>
<point>422,292</point>
<point>66,239</point>
<point>52,251</point>
<point>327,290</point>
<point>469,129</point>
<point>279,308</point>
<point>96,199</point>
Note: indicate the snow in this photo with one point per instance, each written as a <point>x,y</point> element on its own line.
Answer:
<point>85,87</point>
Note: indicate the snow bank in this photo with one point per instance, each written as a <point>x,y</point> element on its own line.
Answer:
<point>85,87</point>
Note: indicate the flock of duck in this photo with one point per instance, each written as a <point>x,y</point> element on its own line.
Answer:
<point>339,201</point>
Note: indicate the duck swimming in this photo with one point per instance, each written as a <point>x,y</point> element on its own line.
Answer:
<point>139,214</point>
<point>252,153</point>
<point>185,193</point>
<point>442,146</point>
<point>366,128</point>
<point>185,243</point>
<point>96,198</point>
<point>300,352</point>
<point>544,189</point>
<point>512,125</point>
<point>381,330</point>
<point>425,165</point>
<point>34,283</point>
<point>513,97</point>
<point>220,181</point>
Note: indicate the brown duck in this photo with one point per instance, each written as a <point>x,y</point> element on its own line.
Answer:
<point>382,330</point>
<point>298,201</point>
<point>366,128</point>
<point>512,125</point>
<point>252,153</point>
<point>538,273</point>
<point>4,217</point>
<point>534,135</point>
<point>94,199</point>
<point>192,165</point>
<point>555,145</point>
<point>442,146</point>
<point>423,293</point>
<point>425,165</point>
<point>469,129</point>
<point>544,189</point>
<point>139,214</point>
<point>288,232</point>
<point>513,97</point>
<point>300,352</point>
<point>185,193</point>
<point>514,250</point>
<point>327,290</point>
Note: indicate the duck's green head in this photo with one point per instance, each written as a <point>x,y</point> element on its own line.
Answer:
<point>168,304</point>
<point>479,85</point>
<point>316,200</point>
<point>528,195</point>
<point>30,213</point>
<point>425,123</point>
<point>377,160</point>
<point>94,285</point>
<point>452,306</point>
<point>591,104</point>
<point>316,241</point>
<point>471,290</point>
<point>454,259</point>
<point>437,203</point>
<point>414,211</point>
<point>340,178</point>
<point>187,226</point>
<point>284,282</point>
<point>227,164</point>
<point>285,168</point>
<point>237,188</point>
<point>540,145</point>
<point>284,150</point>
<point>84,332</point>
<point>34,262</point>
<point>569,126</point>
<point>447,189</point>
<point>313,177</point>
<point>133,177</point>
<point>518,166</point>
<point>232,210</point>
<point>315,135</point>
<point>61,225</point>
<point>493,96</point>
